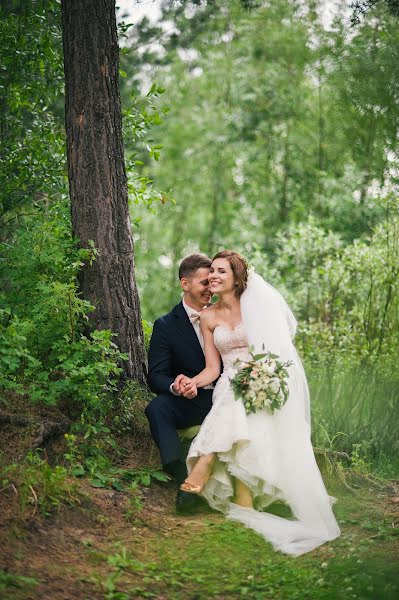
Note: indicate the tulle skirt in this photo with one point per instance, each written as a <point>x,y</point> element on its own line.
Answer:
<point>273,456</point>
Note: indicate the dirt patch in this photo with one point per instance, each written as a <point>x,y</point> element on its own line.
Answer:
<point>67,553</point>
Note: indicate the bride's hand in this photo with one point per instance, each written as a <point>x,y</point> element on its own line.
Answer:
<point>177,384</point>
<point>188,388</point>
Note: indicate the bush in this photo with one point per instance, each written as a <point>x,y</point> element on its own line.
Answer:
<point>14,354</point>
<point>44,351</point>
<point>346,300</point>
<point>345,297</point>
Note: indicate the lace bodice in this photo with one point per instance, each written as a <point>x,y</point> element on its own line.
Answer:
<point>232,344</point>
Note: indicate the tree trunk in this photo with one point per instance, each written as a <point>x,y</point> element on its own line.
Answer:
<point>97,176</point>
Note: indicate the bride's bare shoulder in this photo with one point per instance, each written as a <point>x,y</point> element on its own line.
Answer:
<point>208,316</point>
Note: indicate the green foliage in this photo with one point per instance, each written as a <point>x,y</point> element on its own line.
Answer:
<point>82,373</point>
<point>10,581</point>
<point>345,296</point>
<point>140,115</point>
<point>273,117</point>
<point>120,479</point>
<point>83,461</point>
<point>358,463</point>
<point>39,271</point>
<point>355,405</point>
<point>120,562</point>
<point>41,488</point>
<point>31,81</point>
<point>14,355</point>
<point>147,329</point>
<point>360,7</point>
<point>134,503</point>
<point>45,352</point>
<point>278,138</point>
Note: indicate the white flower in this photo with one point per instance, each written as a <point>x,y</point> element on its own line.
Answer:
<point>274,385</point>
<point>255,385</point>
<point>269,367</point>
<point>251,394</point>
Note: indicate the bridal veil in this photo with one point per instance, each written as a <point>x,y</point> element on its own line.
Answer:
<point>293,476</point>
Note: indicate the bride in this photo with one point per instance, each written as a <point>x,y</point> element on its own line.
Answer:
<point>242,463</point>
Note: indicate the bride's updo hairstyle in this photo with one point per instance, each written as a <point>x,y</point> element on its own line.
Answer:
<point>239,267</point>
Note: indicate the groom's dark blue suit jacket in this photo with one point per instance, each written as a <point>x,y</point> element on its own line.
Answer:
<point>174,349</point>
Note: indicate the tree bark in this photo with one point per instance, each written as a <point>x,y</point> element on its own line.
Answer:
<point>97,176</point>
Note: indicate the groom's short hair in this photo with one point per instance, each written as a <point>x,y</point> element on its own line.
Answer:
<point>192,263</point>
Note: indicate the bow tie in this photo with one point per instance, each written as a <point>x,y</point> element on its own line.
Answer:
<point>194,316</point>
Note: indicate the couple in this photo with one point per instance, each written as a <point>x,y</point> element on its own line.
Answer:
<point>239,463</point>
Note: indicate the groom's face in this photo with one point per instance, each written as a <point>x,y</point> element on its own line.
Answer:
<point>196,287</point>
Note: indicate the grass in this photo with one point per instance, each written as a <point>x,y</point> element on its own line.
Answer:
<point>357,408</point>
<point>38,486</point>
<point>224,560</point>
<point>124,544</point>
<point>208,557</point>
<point>10,581</point>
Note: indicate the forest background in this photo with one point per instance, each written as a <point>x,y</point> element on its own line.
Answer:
<point>270,128</point>
<point>267,129</point>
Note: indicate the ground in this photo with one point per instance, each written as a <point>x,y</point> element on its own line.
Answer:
<point>107,544</point>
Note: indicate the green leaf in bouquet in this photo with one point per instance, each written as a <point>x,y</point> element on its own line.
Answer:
<point>259,356</point>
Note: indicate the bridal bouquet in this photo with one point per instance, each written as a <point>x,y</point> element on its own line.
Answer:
<point>261,383</point>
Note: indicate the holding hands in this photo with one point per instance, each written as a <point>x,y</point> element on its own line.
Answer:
<point>185,386</point>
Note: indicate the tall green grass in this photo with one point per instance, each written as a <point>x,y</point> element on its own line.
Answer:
<point>357,406</point>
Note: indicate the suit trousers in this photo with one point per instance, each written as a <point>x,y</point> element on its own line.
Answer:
<point>166,413</point>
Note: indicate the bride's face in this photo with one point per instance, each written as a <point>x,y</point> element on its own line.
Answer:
<point>221,276</point>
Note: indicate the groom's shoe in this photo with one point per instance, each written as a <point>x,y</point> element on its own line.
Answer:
<point>189,504</point>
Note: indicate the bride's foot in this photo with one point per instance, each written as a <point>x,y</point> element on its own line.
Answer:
<point>242,495</point>
<point>196,481</point>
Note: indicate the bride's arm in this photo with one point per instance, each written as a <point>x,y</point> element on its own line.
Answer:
<point>212,356</point>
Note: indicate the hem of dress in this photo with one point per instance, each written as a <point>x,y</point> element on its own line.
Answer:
<point>219,450</point>
<point>259,487</point>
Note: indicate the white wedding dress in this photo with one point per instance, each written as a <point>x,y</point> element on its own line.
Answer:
<point>272,454</point>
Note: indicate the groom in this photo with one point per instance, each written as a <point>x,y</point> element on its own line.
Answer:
<point>176,348</point>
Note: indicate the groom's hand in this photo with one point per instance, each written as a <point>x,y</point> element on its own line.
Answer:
<point>184,386</point>
<point>176,385</point>
<point>188,388</point>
